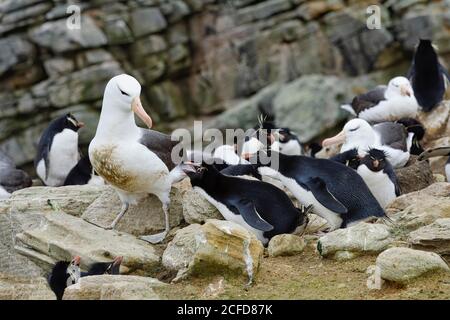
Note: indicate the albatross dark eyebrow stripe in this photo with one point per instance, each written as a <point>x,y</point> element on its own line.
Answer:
<point>123,92</point>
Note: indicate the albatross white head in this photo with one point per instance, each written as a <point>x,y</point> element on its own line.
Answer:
<point>357,133</point>
<point>121,101</point>
<point>399,87</point>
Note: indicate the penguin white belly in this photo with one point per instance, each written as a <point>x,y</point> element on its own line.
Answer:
<point>447,171</point>
<point>230,216</point>
<point>379,184</point>
<point>305,197</point>
<point>130,166</point>
<point>391,110</point>
<point>4,194</point>
<point>63,156</point>
<point>291,148</point>
<point>96,180</point>
<point>396,157</point>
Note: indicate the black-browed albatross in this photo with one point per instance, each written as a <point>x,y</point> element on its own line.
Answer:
<point>135,161</point>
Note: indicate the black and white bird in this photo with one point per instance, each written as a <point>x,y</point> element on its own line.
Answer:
<point>134,161</point>
<point>379,176</point>
<point>350,158</point>
<point>260,207</point>
<point>83,173</point>
<point>428,77</point>
<point>64,274</point>
<point>385,103</point>
<point>416,132</point>
<point>336,192</point>
<point>438,152</point>
<point>285,141</point>
<point>57,151</point>
<point>11,178</point>
<point>100,268</point>
<point>387,136</point>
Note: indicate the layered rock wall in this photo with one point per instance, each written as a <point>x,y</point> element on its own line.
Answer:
<point>195,58</point>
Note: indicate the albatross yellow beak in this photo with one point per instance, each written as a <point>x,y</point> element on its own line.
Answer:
<point>404,91</point>
<point>339,138</point>
<point>137,108</point>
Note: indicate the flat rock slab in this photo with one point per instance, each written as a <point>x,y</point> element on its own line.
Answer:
<point>147,217</point>
<point>24,288</point>
<point>61,236</point>
<point>404,264</point>
<point>72,200</point>
<point>362,238</point>
<point>114,287</point>
<point>434,237</point>
<point>420,208</point>
<point>217,247</point>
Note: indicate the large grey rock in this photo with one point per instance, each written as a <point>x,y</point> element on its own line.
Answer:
<point>113,287</point>
<point>145,218</point>
<point>362,238</point>
<point>60,236</point>
<point>15,50</point>
<point>24,288</point>
<point>310,105</point>
<point>420,208</point>
<point>147,20</point>
<point>72,200</point>
<point>286,245</point>
<point>196,209</point>
<point>216,247</point>
<point>434,237</point>
<point>404,264</point>
<point>59,38</point>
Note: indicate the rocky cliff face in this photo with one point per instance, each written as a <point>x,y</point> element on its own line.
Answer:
<point>199,58</point>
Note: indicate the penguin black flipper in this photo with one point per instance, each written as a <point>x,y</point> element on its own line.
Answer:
<point>435,152</point>
<point>319,189</point>
<point>393,178</point>
<point>246,208</point>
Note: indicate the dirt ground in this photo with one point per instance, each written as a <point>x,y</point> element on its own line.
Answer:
<point>308,276</point>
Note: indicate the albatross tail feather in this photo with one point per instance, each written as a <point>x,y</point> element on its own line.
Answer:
<point>349,109</point>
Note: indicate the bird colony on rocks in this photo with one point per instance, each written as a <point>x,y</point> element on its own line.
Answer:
<point>129,191</point>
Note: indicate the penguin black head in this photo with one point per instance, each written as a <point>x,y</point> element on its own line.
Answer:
<point>285,135</point>
<point>314,147</point>
<point>64,274</point>
<point>375,160</point>
<point>72,123</point>
<point>418,130</point>
<point>201,175</point>
<point>100,268</point>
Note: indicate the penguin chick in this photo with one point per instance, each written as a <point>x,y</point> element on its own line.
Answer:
<point>379,176</point>
<point>64,274</point>
<point>57,150</point>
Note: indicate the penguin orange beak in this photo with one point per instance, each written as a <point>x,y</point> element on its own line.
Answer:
<point>138,109</point>
<point>376,163</point>
<point>118,260</point>
<point>76,260</point>
<point>404,91</point>
<point>80,124</point>
<point>339,138</point>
